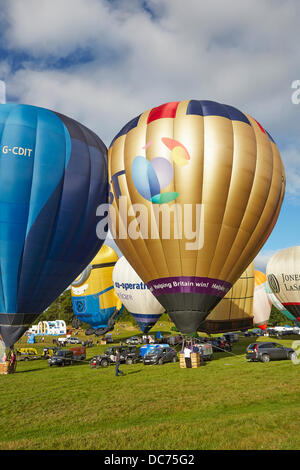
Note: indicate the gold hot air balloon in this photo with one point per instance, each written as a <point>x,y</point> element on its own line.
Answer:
<point>283,272</point>
<point>235,311</point>
<point>196,189</point>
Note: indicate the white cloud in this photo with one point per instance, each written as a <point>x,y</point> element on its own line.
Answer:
<point>241,53</point>
<point>261,260</point>
<point>291,159</point>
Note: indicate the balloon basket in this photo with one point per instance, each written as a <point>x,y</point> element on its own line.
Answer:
<point>7,368</point>
<point>195,360</point>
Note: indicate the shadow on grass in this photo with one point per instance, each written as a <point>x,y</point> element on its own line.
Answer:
<point>29,370</point>
<point>133,372</point>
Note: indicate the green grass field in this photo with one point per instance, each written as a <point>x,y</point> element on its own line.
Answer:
<point>227,404</point>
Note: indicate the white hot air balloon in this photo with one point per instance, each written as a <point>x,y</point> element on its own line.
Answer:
<point>283,271</point>
<point>136,296</point>
<point>262,305</point>
<point>278,304</point>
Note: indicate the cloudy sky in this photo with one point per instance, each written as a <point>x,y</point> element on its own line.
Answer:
<point>103,62</point>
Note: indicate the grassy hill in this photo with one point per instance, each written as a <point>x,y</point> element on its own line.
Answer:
<point>227,404</point>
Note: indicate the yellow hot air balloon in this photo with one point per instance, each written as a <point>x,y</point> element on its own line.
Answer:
<point>283,271</point>
<point>94,299</point>
<point>262,305</point>
<point>235,311</point>
<point>196,189</point>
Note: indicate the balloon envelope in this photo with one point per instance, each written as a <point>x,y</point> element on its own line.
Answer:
<point>52,179</point>
<point>136,296</point>
<point>93,296</point>
<point>235,311</point>
<point>261,303</point>
<point>283,271</point>
<point>278,304</point>
<point>191,226</point>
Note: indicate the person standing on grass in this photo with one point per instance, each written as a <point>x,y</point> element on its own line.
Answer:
<point>118,360</point>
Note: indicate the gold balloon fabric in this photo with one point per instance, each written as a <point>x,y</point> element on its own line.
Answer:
<point>235,311</point>
<point>218,176</point>
<point>283,272</point>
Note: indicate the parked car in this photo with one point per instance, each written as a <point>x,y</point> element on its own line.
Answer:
<point>61,341</point>
<point>26,354</point>
<point>66,357</point>
<point>231,337</point>
<point>133,340</point>
<point>128,354</point>
<point>160,356</point>
<point>220,344</point>
<point>74,341</point>
<point>205,350</point>
<point>258,332</point>
<point>62,357</point>
<point>268,351</point>
<point>88,343</point>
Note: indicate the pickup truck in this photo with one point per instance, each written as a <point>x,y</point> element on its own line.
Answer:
<point>65,357</point>
<point>128,354</point>
<point>27,354</point>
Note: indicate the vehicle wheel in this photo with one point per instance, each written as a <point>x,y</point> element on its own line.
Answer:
<point>104,363</point>
<point>25,358</point>
<point>129,360</point>
<point>160,362</point>
<point>292,356</point>
<point>265,358</point>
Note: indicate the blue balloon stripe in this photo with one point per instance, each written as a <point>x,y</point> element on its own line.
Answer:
<point>71,241</point>
<point>15,185</point>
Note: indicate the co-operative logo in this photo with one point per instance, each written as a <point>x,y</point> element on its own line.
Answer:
<point>273,283</point>
<point>150,177</point>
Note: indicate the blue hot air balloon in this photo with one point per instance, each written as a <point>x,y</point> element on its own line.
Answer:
<point>53,176</point>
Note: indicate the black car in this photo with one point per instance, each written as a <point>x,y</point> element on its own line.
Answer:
<point>159,356</point>
<point>268,351</point>
<point>128,354</point>
<point>62,357</point>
